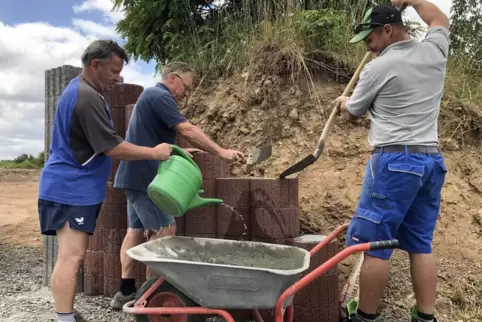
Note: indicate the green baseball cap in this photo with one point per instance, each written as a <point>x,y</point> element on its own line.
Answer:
<point>379,15</point>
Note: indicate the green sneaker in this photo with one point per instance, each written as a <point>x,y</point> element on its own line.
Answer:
<point>414,314</point>
<point>350,310</point>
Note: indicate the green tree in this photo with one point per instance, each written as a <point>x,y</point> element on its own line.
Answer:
<point>466,29</point>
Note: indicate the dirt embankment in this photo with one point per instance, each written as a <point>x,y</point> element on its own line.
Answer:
<point>255,108</point>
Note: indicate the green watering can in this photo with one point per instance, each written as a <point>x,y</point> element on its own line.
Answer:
<point>176,187</point>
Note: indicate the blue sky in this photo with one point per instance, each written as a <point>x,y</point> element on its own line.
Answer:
<point>49,34</point>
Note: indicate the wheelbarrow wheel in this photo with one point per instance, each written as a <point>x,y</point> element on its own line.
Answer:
<point>166,295</point>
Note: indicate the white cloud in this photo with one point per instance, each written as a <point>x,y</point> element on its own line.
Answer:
<point>93,28</point>
<point>22,72</point>
<point>104,6</point>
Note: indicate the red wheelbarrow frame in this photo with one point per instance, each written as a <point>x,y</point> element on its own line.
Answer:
<point>139,305</point>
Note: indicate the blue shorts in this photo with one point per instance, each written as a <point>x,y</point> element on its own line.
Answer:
<point>400,199</point>
<point>142,213</point>
<point>53,215</point>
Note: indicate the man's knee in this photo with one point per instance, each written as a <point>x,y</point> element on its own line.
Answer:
<point>162,232</point>
<point>72,244</point>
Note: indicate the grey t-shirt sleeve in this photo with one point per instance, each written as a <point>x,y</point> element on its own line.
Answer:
<point>438,36</point>
<point>365,91</point>
<point>92,116</point>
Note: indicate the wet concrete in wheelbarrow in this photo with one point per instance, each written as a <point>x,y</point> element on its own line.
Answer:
<point>248,254</point>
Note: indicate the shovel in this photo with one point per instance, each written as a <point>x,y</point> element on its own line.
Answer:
<point>260,154</point>
<point>310,159</point>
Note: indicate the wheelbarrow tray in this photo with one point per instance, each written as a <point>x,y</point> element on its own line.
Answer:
<point>219,273</point>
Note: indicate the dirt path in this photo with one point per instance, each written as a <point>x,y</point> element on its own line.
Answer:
<point>18,208</point>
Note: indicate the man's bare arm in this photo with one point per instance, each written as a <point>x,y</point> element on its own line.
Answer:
<point>430,13</point>
<point>198,138</point>
<point>129,151</point>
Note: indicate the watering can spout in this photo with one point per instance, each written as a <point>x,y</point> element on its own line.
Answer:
<point>200,201</point>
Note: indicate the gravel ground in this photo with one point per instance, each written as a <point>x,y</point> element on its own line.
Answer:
<point>23,299</point>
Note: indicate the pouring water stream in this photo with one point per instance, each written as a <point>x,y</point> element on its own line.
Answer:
<point>238,214</point>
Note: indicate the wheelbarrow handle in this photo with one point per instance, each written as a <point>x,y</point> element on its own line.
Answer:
<point>385,244</point>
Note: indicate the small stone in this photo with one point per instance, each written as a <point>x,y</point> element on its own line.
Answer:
<point>244,130</point>
<point>294,114</point>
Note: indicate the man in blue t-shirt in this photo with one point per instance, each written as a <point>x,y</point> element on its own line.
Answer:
<point>156,118</point>
<point>73,181</point>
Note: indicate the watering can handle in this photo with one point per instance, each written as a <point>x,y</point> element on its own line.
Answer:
<point>179,151</point>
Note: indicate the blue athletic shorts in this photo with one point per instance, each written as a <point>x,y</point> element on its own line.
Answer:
<point>142,213</point>
<point>400,199</point>
<point>52,216</point>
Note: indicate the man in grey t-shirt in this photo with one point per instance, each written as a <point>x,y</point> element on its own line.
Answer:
<point>401,91</point>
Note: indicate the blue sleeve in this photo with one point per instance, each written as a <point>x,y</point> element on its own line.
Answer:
<point>167,111</point>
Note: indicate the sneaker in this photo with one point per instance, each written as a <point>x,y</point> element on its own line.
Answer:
<point>414,311</point>
<point>120,299</point>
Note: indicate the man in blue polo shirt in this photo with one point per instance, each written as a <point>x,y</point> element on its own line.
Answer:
<point>401,89</point>
<point>156,118</point>
<point>73,181</point>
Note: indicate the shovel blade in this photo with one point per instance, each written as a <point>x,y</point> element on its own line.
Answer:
<point>261,154</point>
<point>297,167</point>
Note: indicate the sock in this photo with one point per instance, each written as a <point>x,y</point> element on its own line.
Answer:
<point>423,317</point>
<point>128,286</point>
<point>65,317</point>
<point>361,316</point>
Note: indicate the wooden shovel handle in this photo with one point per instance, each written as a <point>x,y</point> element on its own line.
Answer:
<point>332,117</point>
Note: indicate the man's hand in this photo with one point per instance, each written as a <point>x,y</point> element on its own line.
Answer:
<point>162,151</point>
<point>401,4</point>
<point>340,104</point>
<point>230,155</point>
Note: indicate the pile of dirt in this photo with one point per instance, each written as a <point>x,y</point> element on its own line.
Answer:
<point>258,107</point>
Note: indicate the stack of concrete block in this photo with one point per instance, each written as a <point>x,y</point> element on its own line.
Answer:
<point>321,297</point>
<point>202,222</point>
<point>102,262</point>
<point>56,79</point>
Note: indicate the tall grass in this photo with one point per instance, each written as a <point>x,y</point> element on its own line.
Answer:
<point>233,39</point>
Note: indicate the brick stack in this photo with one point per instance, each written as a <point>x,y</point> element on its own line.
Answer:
<point>274,210</point>
<point>321,297</point>
<point>202,221</point>
<point>102,263</point>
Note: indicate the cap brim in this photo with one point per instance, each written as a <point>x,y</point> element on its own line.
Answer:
<point>360,36</point>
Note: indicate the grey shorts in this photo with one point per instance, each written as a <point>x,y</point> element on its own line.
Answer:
<point>142,213</point>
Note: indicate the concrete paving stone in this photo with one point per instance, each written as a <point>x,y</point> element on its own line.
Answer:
<point>128,114</point>
<point>271,222</point>
<point>123,94</point>
<point>119,118</point>
<point>181,226</point>
<point>113,239</point>
<point>112,265</point>
<point>96,241</point>
<point>93,262</point>
<point>212,166</point>
<point>111,286</point>
<point>93,284</point>
<point>201,221</point>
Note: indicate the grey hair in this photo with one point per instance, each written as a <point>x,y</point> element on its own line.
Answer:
<point>103,49</point>
<point>176,67</point>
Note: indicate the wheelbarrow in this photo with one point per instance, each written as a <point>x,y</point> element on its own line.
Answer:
<point>204,277</point>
